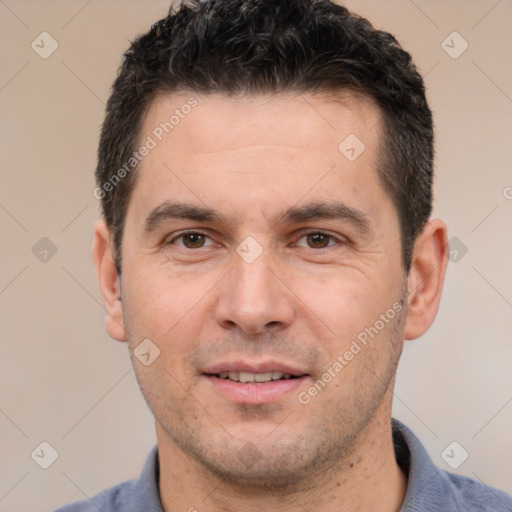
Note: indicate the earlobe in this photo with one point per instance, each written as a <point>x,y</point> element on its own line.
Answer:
<point>426,278</point>
<point>108,280</point>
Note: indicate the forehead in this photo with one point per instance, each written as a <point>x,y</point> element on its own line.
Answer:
<point>260,150</point>
<point>217,121</point>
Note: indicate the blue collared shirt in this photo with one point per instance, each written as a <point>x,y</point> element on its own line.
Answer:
<point>429,488</point>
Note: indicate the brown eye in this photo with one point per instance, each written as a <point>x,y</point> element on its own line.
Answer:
<point>318,240</point>
<point>192,240</point>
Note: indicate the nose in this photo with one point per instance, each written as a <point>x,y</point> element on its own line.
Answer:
<point>253,297</point>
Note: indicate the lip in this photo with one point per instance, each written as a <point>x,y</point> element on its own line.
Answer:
<point>257,393</point>
<point>254,393</point>
<point>254,367</point>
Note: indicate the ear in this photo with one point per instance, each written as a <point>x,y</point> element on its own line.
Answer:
<point>426,277</point>
<point>108,279</point>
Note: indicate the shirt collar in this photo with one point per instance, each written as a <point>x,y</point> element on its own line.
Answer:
<point>145,495</point>
<point>428,487</point>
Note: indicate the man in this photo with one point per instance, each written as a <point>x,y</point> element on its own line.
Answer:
<point>265,174</point>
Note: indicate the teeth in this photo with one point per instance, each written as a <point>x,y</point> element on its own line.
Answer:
<point>263,377</point>
<point>254,377</point>
<point>245,377</point>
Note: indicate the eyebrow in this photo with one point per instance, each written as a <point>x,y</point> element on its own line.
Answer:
<point>327,210</point>
<point>171,211</point>
<point>299,214</point>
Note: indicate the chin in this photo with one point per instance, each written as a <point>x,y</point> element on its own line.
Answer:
<point>256,461</point>
<point>282,473</point>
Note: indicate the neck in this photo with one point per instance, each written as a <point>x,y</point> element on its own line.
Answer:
<point>368,480</point>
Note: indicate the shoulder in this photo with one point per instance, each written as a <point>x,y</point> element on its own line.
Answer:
<point>433,489</point>
<point>113,499</point>
<point>129,496</point>
<point>474,496</point>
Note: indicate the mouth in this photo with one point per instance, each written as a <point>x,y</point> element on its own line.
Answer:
<point>258,378</point>
<point>254,383</point>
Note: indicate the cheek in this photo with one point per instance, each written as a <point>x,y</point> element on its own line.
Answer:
<point>346,301</point>
<point>159,298</point>
<point>171,310</point>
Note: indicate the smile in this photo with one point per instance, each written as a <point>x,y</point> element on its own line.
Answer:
<point>247,377</point>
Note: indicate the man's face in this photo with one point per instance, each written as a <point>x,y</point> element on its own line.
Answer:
<point>272,251</point>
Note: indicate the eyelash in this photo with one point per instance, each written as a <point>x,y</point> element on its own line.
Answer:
<point>303,235</point>
<point>185,233</point>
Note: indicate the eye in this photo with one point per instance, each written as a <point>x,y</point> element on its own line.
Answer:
<point>316,240</point>
<point>191,240</point>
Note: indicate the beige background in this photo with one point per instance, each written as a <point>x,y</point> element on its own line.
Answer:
<point>65,382</point>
